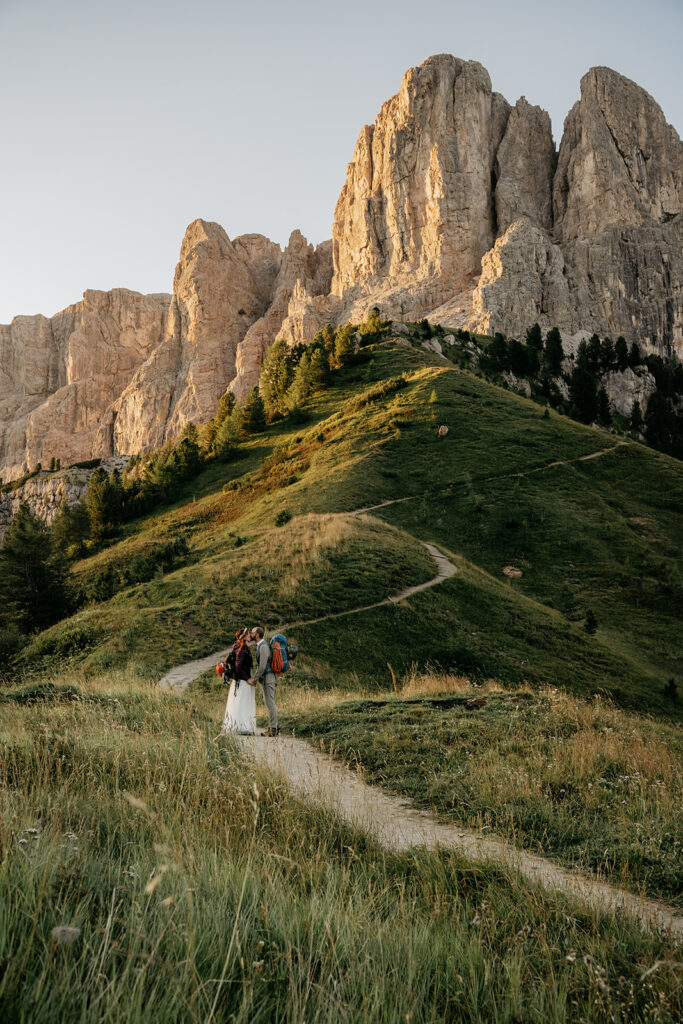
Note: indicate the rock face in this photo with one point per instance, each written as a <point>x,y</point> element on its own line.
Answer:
<point>456,206</point>
<point>45,492</point>
<point>625,388</point>
<point>58,375</point>
<point>121,372</point>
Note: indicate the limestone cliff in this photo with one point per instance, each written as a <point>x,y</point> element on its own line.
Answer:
<point>121,372</point>
<point>58,375</point>
<point>456,206</point>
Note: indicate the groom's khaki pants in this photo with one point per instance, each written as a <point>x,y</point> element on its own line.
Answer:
<point>268,687</point>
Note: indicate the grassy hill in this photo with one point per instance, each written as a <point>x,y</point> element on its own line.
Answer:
<point>198,888</point>
<point>601,534</point>
<point>201,888</point>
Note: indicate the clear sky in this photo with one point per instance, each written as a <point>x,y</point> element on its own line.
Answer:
<point>122,121</point>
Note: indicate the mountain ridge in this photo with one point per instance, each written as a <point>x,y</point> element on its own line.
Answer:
<point>456,206</point>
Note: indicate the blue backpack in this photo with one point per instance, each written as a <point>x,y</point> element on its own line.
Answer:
<point>281,654</point>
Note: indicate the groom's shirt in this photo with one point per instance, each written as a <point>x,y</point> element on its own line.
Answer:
<point>263,655</point>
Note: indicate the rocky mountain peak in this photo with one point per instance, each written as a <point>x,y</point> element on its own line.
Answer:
<point>456,206</point>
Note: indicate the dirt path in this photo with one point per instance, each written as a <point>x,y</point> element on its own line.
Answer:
<point>399,826</point>
<point>180,677</point>
<point>486,479</point>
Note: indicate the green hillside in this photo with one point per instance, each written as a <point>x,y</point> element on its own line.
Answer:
<point>600,534</point>
<point>151,871</point>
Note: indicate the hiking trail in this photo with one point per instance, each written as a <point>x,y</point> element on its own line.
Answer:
<point>180,677</point>
<point>399,826</point>
<point>393,821</point>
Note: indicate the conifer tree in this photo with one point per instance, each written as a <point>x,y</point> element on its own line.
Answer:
<point>604,414</point>
<point>277,374</point>
<point>534,338</point>
<point>636,418</point>
<point>621,353</point>
<point>608,359</point>
<point>553,352</point>
<point>583,395</point>
<point>344,347</point>
<point>32,574</point>
<point>252,411</point>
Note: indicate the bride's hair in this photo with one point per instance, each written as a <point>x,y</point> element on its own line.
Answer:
<point>242,634</point>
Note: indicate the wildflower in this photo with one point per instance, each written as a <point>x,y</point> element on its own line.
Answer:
<point>476,919</point>
<point>258,964</point>
<point>588,960</point>
<point>23,841</point>
<point>64,935</point>
<point>259,948</point>
<point>571,957</point>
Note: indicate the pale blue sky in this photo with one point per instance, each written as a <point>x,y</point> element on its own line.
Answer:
<point>123,121</point>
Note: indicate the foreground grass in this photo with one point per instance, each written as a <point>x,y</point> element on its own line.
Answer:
<point>580,782</point>
<point>205,891</point>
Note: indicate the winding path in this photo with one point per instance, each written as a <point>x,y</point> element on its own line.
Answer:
<point>398,826</point>
<point>179,678</point>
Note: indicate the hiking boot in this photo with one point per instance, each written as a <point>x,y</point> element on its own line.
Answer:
<point>273,731</point>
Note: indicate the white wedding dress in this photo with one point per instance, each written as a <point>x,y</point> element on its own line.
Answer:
<point>240,712</point>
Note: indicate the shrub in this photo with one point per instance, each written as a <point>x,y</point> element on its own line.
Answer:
<point>283,517</point>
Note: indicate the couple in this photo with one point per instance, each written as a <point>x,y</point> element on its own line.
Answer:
<point>240,713</point>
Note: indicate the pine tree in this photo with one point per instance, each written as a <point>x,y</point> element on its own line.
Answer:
<point>277,374</point>
<point>608,357</point>
<point>604,411</point>
<point>634,358</point>
<point>33,574</point>
<point>593,353</point>
<point>621,353</point>
<point>344,346</point>
<point>70,528</point>
<point>187,459</point>
<point>102,503</point>
<point>583,394</point>
<point>226,405</point>
<point>636,418</point>
<point>329,339</point>
<point>534,338</point>
<point>253,413</point>
<point>319,370</point>
<point>553,352</point>
<point>301,385</point>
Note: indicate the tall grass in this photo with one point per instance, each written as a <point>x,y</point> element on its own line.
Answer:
<point>203,890</point>
<point>580,781</point>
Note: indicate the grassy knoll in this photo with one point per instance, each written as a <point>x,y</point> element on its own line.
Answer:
<point>204,891</point>
<point>599,534</point>
<point>580,782</point>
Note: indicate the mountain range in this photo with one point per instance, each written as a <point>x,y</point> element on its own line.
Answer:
<point>456,207</point>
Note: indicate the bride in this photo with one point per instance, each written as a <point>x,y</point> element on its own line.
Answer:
<point>240,712</point>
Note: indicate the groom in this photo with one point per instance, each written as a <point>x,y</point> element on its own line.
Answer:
<point>266,677</point>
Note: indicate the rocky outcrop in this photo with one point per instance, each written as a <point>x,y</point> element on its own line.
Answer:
<point>58,375</point>
<point>45,492</point>
<point>304,270</point>
<point>121,372</point>
<point>625,387</point>
<point>415,215</point>
<point>457,207</point>
<point>220,288</point>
